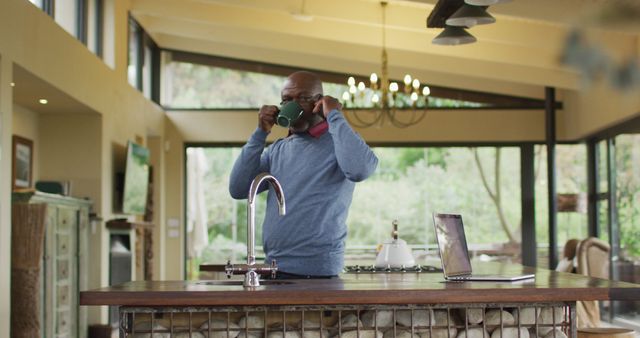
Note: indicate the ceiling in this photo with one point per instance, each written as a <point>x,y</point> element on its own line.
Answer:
<point>518,55</point>
<point>29,89</point>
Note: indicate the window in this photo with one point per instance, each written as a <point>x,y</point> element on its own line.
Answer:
<point>133,68</point>
<point>66,15</point>
<point>147,72</point>
<point>141,69</point>
<point>205,85</point>
<point>94,33</point>
<point>571,187</point>
<point>409,185</point>
<point>628,197</point>
<point>38,3</point>
<point>627,266</point>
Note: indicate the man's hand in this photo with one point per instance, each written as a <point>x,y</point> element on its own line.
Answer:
<point>326,104</point>
<point>267,117</point>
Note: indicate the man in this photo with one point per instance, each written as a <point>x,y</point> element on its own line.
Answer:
<point>317,166</point>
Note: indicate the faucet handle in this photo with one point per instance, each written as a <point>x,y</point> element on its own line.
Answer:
<point>394,232</point>
<point>228,269</point>
<point>274,268</point>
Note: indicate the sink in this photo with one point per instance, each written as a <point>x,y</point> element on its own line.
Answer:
<point>239,282</point>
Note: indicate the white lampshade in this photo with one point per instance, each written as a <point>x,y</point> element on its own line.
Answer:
<point>452,36</point>
<point>469,16</point>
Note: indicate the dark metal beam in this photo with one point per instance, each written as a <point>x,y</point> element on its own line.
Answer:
<point>550,124</point>
<point>527,187</point>
<point>614,229</point>
<point>592,187</point>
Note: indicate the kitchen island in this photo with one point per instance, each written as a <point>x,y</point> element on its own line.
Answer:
<point>365,304</point>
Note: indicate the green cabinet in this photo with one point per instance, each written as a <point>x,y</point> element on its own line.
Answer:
<point>64,270</point>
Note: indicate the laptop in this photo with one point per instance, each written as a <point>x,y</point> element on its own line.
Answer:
<point>454,254</point>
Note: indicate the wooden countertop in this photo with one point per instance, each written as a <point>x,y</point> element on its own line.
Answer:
<point>368,288</point>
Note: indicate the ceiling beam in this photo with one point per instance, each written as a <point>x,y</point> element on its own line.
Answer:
<point>492,66</point>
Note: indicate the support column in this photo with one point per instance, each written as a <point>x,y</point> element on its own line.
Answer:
<point>527,188</point>
<point>550,122</point>
<point>614,229</point>
<point>592,187</point>
<point>6,127</point>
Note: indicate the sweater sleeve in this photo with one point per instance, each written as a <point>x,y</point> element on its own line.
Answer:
<point>356,160</point>
<point>253,160</point>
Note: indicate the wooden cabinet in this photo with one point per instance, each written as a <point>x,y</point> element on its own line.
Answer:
<point>64,270</point>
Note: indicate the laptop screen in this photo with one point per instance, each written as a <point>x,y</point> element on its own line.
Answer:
<point>452,244</point>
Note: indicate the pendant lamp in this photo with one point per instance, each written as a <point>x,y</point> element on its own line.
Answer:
<point>469,16</point>
<point>452,35</point>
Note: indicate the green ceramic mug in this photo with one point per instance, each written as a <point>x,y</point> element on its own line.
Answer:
<point>290,113</point>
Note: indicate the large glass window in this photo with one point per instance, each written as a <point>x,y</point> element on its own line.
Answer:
<point>482,184</point>
<point>627,266</point>
<point>133,64</point>
<point>571,187</point>
<point>147,75</point>
<point>66,15</point>
<point>38,3</point>
<point>190,85</point>
<point>95,21</point>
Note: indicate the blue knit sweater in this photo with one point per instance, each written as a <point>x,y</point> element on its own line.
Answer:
<point>318,176</point>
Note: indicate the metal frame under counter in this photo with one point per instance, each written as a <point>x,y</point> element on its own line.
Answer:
<point>197,300</point>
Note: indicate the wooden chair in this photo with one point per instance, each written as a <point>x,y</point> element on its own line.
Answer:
<point>592,257</point>
<point>568,255</point>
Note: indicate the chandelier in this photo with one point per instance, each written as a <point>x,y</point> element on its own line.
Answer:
<point>382,100</point>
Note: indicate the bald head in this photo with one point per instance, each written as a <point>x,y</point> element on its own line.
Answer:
<point>303,82</point>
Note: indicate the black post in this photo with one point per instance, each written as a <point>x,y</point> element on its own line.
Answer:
<point>99,33</point>
<point>592,187</point>
<point>614,230</point>
<point>550,123</point>
<point>527,187</point>
<point>82,19</point>
<point>156,72</point>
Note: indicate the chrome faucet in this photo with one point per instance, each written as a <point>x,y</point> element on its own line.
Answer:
<point>252,269</point>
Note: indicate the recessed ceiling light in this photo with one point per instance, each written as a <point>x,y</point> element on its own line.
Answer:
<point>13,84</point>
<point>43,101</point>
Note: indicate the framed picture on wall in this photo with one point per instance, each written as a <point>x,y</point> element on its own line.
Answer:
<point>22,162</point>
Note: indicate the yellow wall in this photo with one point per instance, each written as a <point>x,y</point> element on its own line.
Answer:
<point>26,124</point>
<point>597,107</point>
<point>174,202</point>
<point>437,126</point>
<point>157,154</point>
<point>70,147</point>
<point>116,112</point>
<point>6,116</point>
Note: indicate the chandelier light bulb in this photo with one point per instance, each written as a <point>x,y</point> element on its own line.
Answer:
<point>361,86</point>
<point>426,91</point>
<point>351,81</point>
<point>393,87</point>
<point>373,77</point>
<point>352,89</point>
<point>346,96</point>
<point>375,98</point>
<point>414,96</point>
<point>407,79</point>
<point>416,84</point>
